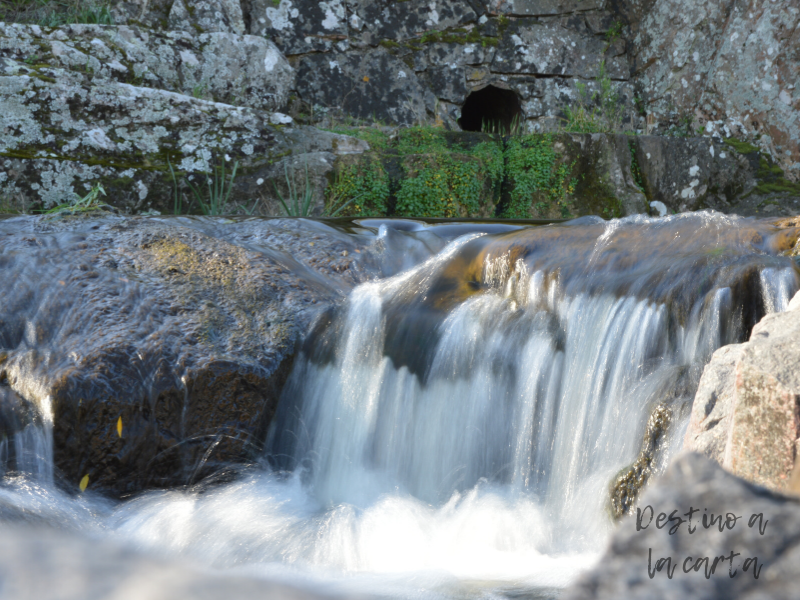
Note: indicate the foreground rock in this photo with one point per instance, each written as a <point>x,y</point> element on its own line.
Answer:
<point>746,411</point>
<point>48,564</point>
<point>158,348</point>
<point>759,556</point>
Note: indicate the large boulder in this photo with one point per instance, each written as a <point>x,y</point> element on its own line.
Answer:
<point>750,551</point>
<point>746,414</point>
<point>155,350</point>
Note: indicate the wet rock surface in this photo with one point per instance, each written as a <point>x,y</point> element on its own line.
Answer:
<point>158,346</point>
<point>693,481</point>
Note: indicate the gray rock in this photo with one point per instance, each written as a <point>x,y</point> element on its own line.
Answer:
<point>694,482</point>
<point>713,405</point>
<point>730,69</point>
<point>372,85</point>
<point>605,184</point>
<point>206,16</point>
<point>536,8</point>
<point>387,20</point>
<point>549,49</point>
<point>766,412</point>
<point>693,173</point>
<point>81,117</point>
<point>301,26</point>
<point>195,16</point>
<point>48,564</point>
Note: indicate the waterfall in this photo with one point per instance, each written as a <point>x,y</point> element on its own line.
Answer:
<point>452,429</point>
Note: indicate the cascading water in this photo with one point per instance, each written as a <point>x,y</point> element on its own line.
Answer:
<point>453,430</point>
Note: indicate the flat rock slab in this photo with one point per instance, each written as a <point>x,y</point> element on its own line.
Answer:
<point>634,565</point>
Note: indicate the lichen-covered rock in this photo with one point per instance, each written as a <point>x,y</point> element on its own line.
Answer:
<point>551,49</point>
<point>195,16</point>
<point>243,70</point>
<point>158,348</point>
<point>538,8</point>
<point>729,67</point>
<point>444,51</point>
<point>76,116</point>
<point>693,173</point>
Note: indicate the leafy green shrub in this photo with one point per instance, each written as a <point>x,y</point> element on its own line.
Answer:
<point>534,172</point>
<point>360,189</point>
<point>441,186</point>
<point>443,182</point>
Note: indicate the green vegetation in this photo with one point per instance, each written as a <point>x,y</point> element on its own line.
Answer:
<point>534,171</point>
<point>218,186</point>
<point>299,201</point>
<point>598,112</point>
<point>434,174</point>
<point>443,179</point>
<point>360,189</point>
<point>53,13</point>
<point>635,169</point>
<point>614,32</point>
<point>740,146</point>
<point>443,185</point>
<point>89,203</point>
<point>771,178</point>
<point>439,174</point>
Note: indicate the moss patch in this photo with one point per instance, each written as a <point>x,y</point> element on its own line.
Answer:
<point>770,177</point>
<point>740,146</point>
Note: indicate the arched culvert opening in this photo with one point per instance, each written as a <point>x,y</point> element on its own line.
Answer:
<point>490,109</point>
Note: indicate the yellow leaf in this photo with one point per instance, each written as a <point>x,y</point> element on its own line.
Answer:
<point>366,79</point>
<point>119,427</point>
<point>84,483</point>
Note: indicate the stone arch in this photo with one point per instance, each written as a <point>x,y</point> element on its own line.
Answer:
<point>490,109</point>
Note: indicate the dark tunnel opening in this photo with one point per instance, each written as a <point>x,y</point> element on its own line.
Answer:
<point>491,109</point>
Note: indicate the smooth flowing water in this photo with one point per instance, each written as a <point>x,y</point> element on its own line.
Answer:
<point>452,430</point>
